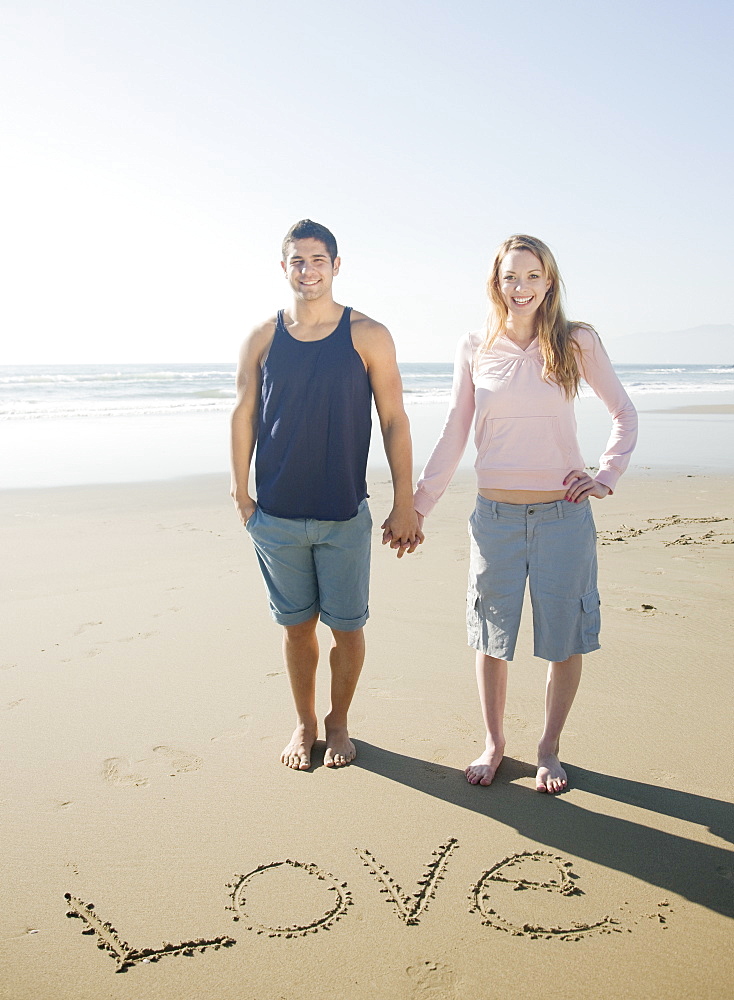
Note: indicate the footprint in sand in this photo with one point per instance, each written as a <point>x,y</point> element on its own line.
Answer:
<point>235,734</point>
<point>84,626</point>
<point>120,771</point>
<point>139,635</point>
<point>664,777</point>
<point>432,981</point>
<point>380,692</point>
<point>180,761</point>
<point>115,771</point>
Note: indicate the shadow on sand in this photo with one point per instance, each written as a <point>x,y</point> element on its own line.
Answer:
<point>701,873</point>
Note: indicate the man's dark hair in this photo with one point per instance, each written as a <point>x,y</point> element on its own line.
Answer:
<point>308,229</point>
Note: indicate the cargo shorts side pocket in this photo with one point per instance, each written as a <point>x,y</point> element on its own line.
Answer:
<point>591,618</point>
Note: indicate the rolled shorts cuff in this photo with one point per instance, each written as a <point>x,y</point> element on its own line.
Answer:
<point>345,624</point>
<point>294,617</point>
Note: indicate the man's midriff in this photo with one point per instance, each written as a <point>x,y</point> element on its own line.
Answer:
<point>523,496</point>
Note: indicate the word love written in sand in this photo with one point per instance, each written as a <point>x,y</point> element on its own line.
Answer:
<point>256,895</point>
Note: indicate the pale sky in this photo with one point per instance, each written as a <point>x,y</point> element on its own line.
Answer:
<point>154,152</point>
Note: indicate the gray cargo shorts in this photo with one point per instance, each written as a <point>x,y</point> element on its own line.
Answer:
<point>551,545</point>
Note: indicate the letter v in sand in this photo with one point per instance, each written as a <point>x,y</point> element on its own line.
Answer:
<point>410,908</point>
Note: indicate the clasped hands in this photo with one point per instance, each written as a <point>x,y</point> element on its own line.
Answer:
<point>402,530</point>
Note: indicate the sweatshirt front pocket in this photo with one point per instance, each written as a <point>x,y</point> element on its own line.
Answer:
<point>522,443</point>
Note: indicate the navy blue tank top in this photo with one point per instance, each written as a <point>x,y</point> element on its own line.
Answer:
<point>314,427</point>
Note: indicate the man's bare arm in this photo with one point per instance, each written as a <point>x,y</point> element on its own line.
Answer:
<point>245,416</point>
<point>377,350</point>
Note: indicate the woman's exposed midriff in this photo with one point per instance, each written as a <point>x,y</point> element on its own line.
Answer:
<point>523,496</point>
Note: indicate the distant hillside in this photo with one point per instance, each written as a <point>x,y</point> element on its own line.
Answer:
<point>703,345</point>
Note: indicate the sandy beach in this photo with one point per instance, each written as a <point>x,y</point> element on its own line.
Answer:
<point>144,707</point>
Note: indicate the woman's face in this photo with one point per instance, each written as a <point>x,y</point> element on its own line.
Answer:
<point>522,283</point>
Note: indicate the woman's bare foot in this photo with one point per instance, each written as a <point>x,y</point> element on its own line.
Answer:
<point>550,777</point>
<point>298,752</point>
<point>482,770</point>
<point>339,748</point>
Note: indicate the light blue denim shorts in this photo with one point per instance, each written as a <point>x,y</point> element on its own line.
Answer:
<point>553,547</point>
<point>315,567</point>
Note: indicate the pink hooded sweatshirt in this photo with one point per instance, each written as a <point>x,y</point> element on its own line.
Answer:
<point>524,427</point>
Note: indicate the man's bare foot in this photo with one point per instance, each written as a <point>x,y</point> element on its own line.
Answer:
<point>339,748</point>
<point>482,770</point>
<point>550,777</point>
<point>298,752</point>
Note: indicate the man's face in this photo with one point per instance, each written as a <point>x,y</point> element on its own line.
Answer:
<point>309,269</point>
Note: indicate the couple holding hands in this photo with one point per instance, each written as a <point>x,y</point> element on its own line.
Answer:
<point>305,383</point>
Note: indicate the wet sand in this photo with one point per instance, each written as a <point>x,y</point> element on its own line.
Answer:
<point>144,707</point>
<point>721,408</point>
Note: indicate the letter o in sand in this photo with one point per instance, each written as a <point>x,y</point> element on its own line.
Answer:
<point>280,894</point>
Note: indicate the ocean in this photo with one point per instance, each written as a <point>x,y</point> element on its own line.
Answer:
<point>58,392</point>
<point>67,424</point>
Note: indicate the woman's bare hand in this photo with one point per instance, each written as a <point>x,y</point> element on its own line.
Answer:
<point>581,485</point>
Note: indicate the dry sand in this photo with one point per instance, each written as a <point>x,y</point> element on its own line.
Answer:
<point>144,706</point>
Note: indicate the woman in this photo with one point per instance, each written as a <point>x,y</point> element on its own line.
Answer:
<point>516,383</point>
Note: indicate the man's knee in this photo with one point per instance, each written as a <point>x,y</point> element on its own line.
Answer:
<point>293,633</point>
<point>352,638</point>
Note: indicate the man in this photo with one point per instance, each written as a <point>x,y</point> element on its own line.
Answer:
<point>305,382</point>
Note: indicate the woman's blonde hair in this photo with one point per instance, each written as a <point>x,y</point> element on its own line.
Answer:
<point>558,347</point>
